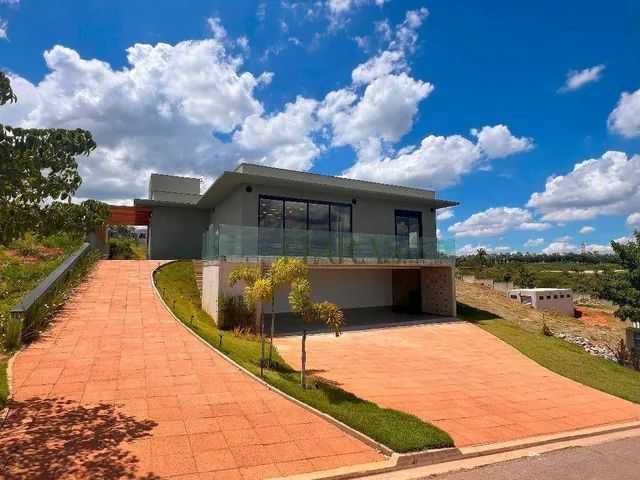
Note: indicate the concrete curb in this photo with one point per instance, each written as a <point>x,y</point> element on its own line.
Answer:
<point>345,428</point>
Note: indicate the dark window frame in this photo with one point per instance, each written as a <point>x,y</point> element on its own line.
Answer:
<point>410,214</point>
<point>308,201</point>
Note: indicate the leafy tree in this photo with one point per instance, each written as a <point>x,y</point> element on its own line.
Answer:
<point>525,278</point>
<point>39,173</point>
<point>623,288</point>
<point>301,303</point>
<point>481,256</point>
<point>282,272</point>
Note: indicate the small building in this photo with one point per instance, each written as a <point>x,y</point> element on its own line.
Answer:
<point>552,299</point>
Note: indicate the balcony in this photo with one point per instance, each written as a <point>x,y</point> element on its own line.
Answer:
<point>236,242</point>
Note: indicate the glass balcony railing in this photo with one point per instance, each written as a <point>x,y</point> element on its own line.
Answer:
<point>232,241</point>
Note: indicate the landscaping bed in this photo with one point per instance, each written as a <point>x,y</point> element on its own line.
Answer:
<point>398,431</point>
<point>23,265</point>
<point>559,356</point>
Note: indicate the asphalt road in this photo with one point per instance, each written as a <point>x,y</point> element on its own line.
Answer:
<point>617,460</point>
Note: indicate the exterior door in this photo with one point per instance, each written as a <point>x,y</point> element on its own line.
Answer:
<point>408,234</point>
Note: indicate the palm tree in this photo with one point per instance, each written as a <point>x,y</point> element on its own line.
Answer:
<point>301,303</point>
<point>257,290</point>
<point>282,272</point>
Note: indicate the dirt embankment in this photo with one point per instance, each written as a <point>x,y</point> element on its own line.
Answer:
<point>482,298</point>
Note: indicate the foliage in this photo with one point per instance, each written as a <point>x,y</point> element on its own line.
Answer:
<point>585,260</point>
<point>37,165</point>
<point>121,249</point>
<point>233,313</point>
<point>623,289</point>
<point>559,356</point>
<point>397,430</point>
<point>525,278</point>
<point>546,331</point>
<point>301,302</point>
<point>620,352</point>
<point>282,272</point>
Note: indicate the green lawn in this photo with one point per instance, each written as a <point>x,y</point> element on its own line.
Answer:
<point>559,356</point>
<point>399,431</point>
<point>4,381</point>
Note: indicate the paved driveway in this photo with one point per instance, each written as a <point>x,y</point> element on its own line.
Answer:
<point>117,389</point>
<point>460,378</point>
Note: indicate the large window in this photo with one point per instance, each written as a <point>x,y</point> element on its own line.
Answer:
<point>303,227</point>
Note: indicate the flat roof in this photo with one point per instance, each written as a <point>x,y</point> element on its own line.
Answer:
<point>539,289</point>
<point>279,177</point>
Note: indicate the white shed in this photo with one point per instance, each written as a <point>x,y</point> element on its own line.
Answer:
<point>551,299</point>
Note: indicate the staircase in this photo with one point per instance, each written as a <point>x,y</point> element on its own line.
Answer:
<point>197,269</point>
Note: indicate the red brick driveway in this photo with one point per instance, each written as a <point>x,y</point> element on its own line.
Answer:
<point>460,378</point>
<point>117,389</point>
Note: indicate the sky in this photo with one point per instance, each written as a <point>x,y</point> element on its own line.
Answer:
<point>527,113</point>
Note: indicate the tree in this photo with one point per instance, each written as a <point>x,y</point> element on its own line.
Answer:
<point>39,175</point>
<point>282,272</point>
<point>481,256</point>
<point>525,278</point>
<point>301,303</point>
<point>257,290</point>
<point>623,288</point>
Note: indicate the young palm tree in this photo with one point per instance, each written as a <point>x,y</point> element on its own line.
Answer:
<point>301,302</point>
<point>257,290</point>
<point>282,272</point>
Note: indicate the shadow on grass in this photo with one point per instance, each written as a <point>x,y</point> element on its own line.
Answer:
<point>474,315</point>
<point>56,438</point>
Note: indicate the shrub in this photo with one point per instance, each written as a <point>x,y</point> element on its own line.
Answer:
<point>546,331</point>
<point>121,249</point>
<point>233,314</point>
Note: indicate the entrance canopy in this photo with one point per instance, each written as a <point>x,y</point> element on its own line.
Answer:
<point>139,216</point>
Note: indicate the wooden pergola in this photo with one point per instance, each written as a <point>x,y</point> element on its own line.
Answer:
<point>137,216</point>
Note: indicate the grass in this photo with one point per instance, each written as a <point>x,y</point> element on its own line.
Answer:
<point>23,264</point>
<point>559,356</point>
<point>399,431</point>
<point>140,251</point>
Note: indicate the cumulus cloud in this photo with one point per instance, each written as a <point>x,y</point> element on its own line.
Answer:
<point>587,229</point>
<point>560,246</point>
<point>156,114</point>
<point>3,28</point>
<point>497,141</point>
<point>534,242</point>
<point>579,78</point>
<point>383,64</point>
<point>437,163</point>
<point>496,221</point>
<point>470,249</point>
<point>445,213</point>
<point>633,219</point>
<point>602,186</point>
<point>625,117</point>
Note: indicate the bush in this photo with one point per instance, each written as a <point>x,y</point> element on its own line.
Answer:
<point>121,249</point>
<point>546,331</point>
<point>233,314</point>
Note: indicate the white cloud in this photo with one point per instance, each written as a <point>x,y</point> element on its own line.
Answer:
<point>560,246</point>
<point>437,163</point>
<point>470,249</point>
<point>625,117</point>
<point>595,248</point>
<point>587,229</point>
<point>445,213</point>
<point>534,242</point>
<point>406,35</point>
<point>497,141</point>
<point>384,64</point>
<point>343,6</point>
<point>633,219</point>
<point>282,140</point>
<point>219,32</point>
<point>607,185</point>
<point>158,113</point>
<point>578,78</point>
<point>3,28</point>
<point>625,239</point>
<point>496,221</point>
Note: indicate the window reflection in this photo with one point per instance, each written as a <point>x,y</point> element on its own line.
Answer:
<point>270,222</point>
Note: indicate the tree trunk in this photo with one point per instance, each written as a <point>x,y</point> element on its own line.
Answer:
<point>303,372</point>
<point>262,342</point>
<point>273,323</point>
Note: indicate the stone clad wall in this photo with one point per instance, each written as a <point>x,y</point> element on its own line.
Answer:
<point>438,290</point>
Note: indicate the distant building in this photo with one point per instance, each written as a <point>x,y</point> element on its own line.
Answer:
<point>552,299</point>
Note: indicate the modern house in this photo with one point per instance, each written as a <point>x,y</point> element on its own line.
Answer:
<point>367,244</point>
<point>551,299</point>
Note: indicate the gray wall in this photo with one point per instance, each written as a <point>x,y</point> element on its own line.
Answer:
<point>369,215</point>
<point>176,233</point>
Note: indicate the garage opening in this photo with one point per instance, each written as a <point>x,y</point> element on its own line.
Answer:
<point>406,291</point>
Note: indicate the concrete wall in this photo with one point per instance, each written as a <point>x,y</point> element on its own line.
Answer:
<point>369,215</point>
<point>561,300</point>
<point>438,290</point>
<point>176,233</point>
<point>210,289</point>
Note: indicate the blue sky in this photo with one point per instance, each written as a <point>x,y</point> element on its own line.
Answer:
<point>374,89</point>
